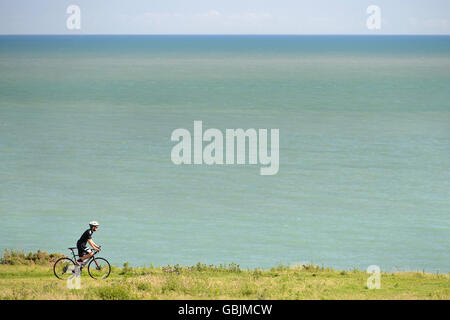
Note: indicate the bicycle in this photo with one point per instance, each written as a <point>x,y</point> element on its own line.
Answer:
<point>98,268</point>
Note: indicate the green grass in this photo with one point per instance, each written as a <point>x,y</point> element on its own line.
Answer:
<point>31,280</point>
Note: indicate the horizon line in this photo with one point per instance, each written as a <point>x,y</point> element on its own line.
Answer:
<point>223,34</point>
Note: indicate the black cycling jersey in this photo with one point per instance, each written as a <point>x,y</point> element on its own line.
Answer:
<point>84,238</point>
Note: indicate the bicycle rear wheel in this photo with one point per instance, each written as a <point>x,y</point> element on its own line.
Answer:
<point>99,268</point>
<point>64,268</point>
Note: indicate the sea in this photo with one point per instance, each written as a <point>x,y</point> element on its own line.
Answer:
<point>364,147</point>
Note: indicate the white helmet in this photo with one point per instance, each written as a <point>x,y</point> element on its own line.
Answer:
<point>93,224</point>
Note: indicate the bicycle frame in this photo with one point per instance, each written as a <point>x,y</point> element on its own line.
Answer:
<point>74,256</point>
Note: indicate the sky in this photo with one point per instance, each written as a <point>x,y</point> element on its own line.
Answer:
<point>224,17</point>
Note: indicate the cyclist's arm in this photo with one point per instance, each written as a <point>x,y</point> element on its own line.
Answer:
<point>93,245</point>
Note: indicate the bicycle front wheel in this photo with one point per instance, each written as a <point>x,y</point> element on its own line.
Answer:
<point>64,268</point>
<point>99,268</point>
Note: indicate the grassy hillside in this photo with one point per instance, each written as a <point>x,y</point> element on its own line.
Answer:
<point>33,279</point>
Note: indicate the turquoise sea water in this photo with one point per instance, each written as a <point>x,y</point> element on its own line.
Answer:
<point>85,125</point>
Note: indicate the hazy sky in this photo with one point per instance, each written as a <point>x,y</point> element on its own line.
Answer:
<point>224,17</point>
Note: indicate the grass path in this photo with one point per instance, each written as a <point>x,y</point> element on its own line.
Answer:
<point>212,282</point>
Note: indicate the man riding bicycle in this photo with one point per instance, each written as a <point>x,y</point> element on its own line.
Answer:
<point>83,251</point>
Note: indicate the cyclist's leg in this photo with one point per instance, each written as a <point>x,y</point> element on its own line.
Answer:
<point>83,254</point>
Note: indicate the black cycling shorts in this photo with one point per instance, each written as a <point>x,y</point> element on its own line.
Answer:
<point>82,251</point>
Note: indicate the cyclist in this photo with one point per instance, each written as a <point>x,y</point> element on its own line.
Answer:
<point>83,251</point>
